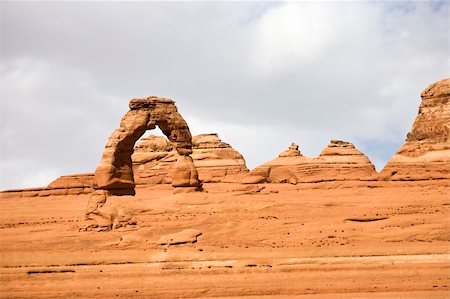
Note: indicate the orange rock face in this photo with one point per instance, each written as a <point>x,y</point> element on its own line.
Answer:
<point>216,161</point>
<point>426,152</point>
<point>339,161</point>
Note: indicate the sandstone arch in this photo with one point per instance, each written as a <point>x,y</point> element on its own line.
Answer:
<point>115,171</point>
<point>111,205</point>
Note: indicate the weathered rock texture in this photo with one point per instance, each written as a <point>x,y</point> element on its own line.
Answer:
<point>339,161</point>
<point>114,175</point>
<point>215,160</point>
<point>83,183</point>
<point>426,152</point>
<point>292,151</point>
<point>115,171</point>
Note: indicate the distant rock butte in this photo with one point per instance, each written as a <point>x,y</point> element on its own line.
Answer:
<point>73,184</point>
<point>426,153</point>
<point>215,160</point>
<point>339,161</point>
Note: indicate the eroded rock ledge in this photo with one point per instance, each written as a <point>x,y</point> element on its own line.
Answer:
<point>339,161</point>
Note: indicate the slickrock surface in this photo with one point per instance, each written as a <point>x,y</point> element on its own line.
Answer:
<point>426,152</point>
<point>339,161</point>
<point>215,160</point>
<point>330,240</point>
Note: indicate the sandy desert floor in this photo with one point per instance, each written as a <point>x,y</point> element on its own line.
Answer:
<point>328,240</point>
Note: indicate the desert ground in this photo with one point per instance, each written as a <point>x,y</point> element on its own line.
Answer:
<point>322,240</point>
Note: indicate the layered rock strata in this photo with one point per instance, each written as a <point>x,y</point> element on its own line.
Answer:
<point>339,161</point>
<point>215,160</point>
<point>426,153</point>
<point>83,182</point>
<point>73,184</point>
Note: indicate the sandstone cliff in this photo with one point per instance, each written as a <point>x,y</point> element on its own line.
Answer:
<point>339,161</point>
<point>426,152</point>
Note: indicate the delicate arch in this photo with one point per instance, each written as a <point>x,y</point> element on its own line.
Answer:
<point>115,171</point>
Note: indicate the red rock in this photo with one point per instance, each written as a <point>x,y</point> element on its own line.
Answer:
<point>184,173</point>
<point>292,151</point>
<point>114,176</point>
<point>115,171</point>
<point>426,153</point>
<point>339,161</point>
<point>215,160</point>
<point>82,180</point>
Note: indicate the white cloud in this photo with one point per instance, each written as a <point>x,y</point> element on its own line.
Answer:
<point>261,74</point>
<point>53,122</point>
<point>297,35</point>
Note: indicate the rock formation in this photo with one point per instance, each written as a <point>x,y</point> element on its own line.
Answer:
<point>74,183</point>
<point>215,160</point>
<point>114,175</point>
<point>181,159</point>
<point>339,161</point>
<point>426,152</point>
<point>115,171</point>
<point>292,151</point>
<point>153,160</point>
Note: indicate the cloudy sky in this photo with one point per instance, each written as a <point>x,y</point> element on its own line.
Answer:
<point>261,74</point>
